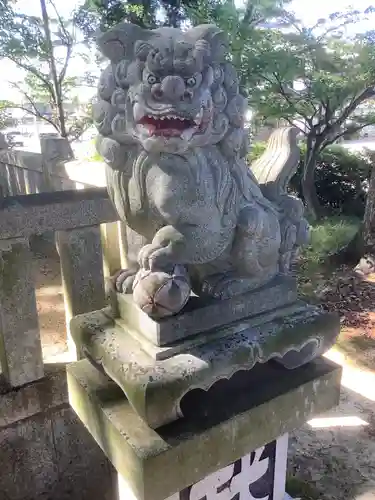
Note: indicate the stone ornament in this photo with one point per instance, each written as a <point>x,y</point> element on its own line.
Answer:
<point>171,130</point>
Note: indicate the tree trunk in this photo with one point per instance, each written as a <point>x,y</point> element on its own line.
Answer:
<point>360,251</point>
<point>365,238</point>
<point>368,227</point>
<point>314,209</point>
<point>52,65</point>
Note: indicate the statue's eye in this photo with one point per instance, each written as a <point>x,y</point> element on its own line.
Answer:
<point>152,79</point>
<point>190,82</point>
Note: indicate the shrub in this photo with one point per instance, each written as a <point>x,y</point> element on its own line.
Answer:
<point>329,235</point>
<point>256,151</point>
<point>340,177</point>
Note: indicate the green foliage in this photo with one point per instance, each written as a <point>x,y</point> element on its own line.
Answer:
<point>31,43</point>
<point>328,236</point>
<point>102,14</point>
<point>245,27</point>
<point>5,116</point>
<point>340,178</point>
<point>318,79</point>
<point>256,151</point>
<point>315,77</point>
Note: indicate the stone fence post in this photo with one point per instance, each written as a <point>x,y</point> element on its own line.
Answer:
<point>55,151</point>
<point>20,347</point>
<point>3,182</point>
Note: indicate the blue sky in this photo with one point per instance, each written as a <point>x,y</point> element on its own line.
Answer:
<point>308,10</point>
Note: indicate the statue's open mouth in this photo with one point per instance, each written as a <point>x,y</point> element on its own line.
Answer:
<point>171,125</point>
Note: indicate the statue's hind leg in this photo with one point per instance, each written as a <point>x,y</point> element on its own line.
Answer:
<point>222,280</point>
<point>224,286</point>
<point>250,262</point>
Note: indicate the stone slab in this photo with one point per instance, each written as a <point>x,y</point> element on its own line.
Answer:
<point>167,351</point>
<point>201,315</point>
<point>155,388</point>
<point>220,425</point>
<point>25,216</point>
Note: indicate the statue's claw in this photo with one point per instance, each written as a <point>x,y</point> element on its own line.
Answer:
<point>123,280</point>
<point>155,257</point>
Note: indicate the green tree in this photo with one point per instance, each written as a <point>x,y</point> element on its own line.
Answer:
<point>102,14</point>
<point>5,115</point>
<point>317,78</point>
<point>248,29</point>
<point>43,46</point>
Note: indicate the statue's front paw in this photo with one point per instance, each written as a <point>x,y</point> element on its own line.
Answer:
<point>156,257</point>
<point>123,280</point>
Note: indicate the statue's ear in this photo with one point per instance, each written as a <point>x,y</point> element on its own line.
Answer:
<point>142,49</point>
<point>118,42</point>
<point>215,37</point>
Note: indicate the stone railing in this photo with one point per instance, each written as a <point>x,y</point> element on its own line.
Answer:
<point>81,220</point>
<point>23,172</point>
<point>53,169</point>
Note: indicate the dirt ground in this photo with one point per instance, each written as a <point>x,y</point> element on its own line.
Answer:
<point>50,304</point>
<point>332,457</point>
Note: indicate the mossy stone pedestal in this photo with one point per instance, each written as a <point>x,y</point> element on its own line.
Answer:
<point>200,404</point>
<point>156,363</point>
<point>209,452</point>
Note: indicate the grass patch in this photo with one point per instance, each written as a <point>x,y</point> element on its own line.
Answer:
<point>298,488</point>
<point>327,237</point>
<point>95,157</point>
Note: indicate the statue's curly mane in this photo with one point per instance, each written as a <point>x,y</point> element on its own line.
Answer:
<point>228,134</point>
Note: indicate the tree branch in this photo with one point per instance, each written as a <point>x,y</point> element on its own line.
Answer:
<point>366,94</point>
<point>69,50</point>
<point>35,111</point>
<point>34,72</point>
<point>332,29</point>
<point>69,42</point>
<point>36,114</point>
<point>341,134</point>
<point>248,14</point>
<point>284,94</point>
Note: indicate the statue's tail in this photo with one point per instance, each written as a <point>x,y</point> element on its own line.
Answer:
<point>273,171</point>
<point>279,162</point>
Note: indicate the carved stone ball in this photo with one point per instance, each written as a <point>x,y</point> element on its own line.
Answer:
<point>160,294</point>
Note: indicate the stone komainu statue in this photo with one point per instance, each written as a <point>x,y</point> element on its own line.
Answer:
<point>171,125</point>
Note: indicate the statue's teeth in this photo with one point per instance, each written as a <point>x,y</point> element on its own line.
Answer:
<point>198,117</point>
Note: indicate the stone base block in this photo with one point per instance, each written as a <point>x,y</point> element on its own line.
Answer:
<point>202,315</point>
<point>156,381</point>
<point>220,426</point>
